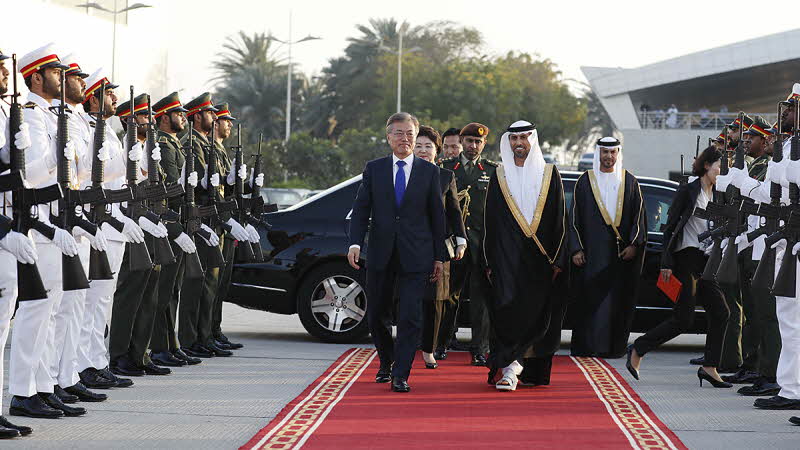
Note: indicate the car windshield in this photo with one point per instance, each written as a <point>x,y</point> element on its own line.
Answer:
<point>283,197</point>
<point>587,156</point>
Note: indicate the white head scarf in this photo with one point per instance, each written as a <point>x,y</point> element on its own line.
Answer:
<point>608,182</point>
<point>524,182</point>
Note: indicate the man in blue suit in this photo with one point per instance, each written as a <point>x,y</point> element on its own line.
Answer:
<point>401,195</point>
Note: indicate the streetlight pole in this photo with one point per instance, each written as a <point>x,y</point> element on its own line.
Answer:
<point>289,42</point>
<point>114,13</point>
<point>400,52</point>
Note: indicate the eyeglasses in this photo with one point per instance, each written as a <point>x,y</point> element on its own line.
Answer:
<point>408,135</point>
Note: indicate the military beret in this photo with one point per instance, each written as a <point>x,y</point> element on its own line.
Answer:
<point>140,101</point>
<point>760,127</point>
<point>223,112</point>
<point>168,104</point>
<point>200,103</point>
<point>475,129</point>
<point>747,122</point>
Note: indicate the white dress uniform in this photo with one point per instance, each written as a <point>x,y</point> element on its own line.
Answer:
<point>34,322</point>
<point>92,351</point>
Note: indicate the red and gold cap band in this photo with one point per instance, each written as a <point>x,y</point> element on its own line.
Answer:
<point>161,111</point>
<point>199,108</point>
<point>36,65</point>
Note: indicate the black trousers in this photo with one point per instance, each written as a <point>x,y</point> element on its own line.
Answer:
<point>163,338</point>
<point>229,252</point>
<point>689,264</point>
<point>411,289</point>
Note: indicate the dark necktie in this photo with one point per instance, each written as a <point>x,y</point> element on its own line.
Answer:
<point>400,183</point>
<point>470,166</point>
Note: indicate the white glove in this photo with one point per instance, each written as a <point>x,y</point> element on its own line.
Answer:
<point>98,241</point>
<point>796,248</point>
<point>258,180</point>
<point>185,243</point>
<point>19,245</point>
<point>722,182</point>
<point>793,172</point>
<point>135,154</point>
<point>741,241</point>
<point>69,151</point>
<point>780,244</point>
<point>739,177</point>
<point>215,180</point>
<point>22,139</point>
<point>237,231</point>
<point>65,242</point>
<point>152,229</point>
<point>193,179</point>
<point>156,153</point>
<point>213,240</point>
<point>132,232</point>
<point>104,154</point>
<point>252,234</point>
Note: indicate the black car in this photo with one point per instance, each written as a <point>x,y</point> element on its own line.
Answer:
<point>306,270</point>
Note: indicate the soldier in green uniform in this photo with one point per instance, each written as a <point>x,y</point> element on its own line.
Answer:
<point>472,175</point>
<point>170,117</point>
<point>223,131</point>
<point>761,342</point>
<point>135,299</point>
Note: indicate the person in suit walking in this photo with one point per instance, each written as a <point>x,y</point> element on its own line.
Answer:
<point>438,303</point>
<point>402,195</point>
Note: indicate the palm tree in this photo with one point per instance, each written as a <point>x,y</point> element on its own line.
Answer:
<point>246,51</point>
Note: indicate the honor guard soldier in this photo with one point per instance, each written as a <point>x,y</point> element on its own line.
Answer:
<point>32,343</point>
<point>472,177</point>
<point>14,247</point>
<point>134,306</point>
<point>170,117</point>
<point>93,362</point>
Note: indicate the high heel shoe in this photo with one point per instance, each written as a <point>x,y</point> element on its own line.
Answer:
<point>429,365</point>
<point>628,365</point>
<point>703,375</point>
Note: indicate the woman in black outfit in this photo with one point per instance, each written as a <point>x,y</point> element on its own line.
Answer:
<point>684,258</point>
<point>427,147</point>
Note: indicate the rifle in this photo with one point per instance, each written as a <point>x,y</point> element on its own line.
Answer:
<point>139,253</point>
<point>245,252</point>
<point>224,208</point>
<point>99,268</point>
<point>736,223</point>
<point>158,193</point>
<point>258,208</point>
<point>70,212</point>
<point>192,215</point>
<point>717,234</point>
<point>24,200</point>
<point>764,276</point>
<point>785,281</point>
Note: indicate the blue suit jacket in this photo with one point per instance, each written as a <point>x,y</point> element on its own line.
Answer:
<point>416,229</point>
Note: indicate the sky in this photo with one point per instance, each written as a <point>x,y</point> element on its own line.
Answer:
<point>571,33</point>
<point>179,39</point>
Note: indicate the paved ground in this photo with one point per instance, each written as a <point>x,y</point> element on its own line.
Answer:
<point>221,403</point>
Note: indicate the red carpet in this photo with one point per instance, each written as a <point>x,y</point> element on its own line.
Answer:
<point>588,405</point>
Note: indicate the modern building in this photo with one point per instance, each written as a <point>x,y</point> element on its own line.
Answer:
<point>706,88</point>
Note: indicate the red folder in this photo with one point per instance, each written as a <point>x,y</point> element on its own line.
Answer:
<point>672,287</point>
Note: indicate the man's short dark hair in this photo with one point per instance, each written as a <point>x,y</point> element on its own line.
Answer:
<point>451,132</point>
<point>401,117</point>
<point>431,134</point>
<point>708,156</point>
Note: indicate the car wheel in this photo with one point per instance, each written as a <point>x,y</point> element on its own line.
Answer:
<point>332,303</point>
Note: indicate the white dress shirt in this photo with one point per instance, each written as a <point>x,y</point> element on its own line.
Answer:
<point>407,168</point>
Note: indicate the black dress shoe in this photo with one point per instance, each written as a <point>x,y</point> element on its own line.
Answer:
<point>218,351</point>
<point>85,395</point>
<point>152,369</point>
<point>198,351</point>
<point>222,345</point>
<point>400,385</point>
<point>179,354</point>
<point>701,361</point>
<point>440,354</point>
<point>762,388</point>
<point>23,430</point>
<point>33,406</point>
<point>54,402</point>
<point>795,420</point>
<point>478,360</point>
<point>8,433</point>
<point>166,359</point>
<point>431,365</point>
<point>123,366</point>
<point>702,375</point>
<point>95,379</point>
<point>120,382</point>
<point>742,376</point>
<point>776,402</point>
<point>64,395</point>
<point>384,374</point>
<point>628,365</point>
<point>234,345</point>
